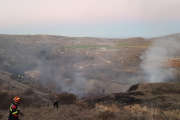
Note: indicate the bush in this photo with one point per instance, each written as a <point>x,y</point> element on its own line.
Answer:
<point>13,77</point>
<point>43,52</point>
<point>62,49</point>
<point>88,58</point>
<point>107,115</point>
<point>67,98</point>
<point>50,57</point>
<point>28,92</point>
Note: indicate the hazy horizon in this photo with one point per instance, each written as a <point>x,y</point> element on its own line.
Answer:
<point>91,18</point>
<point>93,37</point>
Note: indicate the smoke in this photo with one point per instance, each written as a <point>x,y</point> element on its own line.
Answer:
<point>78,71</point>
<point>76,86</point>
<point>158,59</point>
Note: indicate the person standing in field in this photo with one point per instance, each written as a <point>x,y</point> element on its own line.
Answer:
<point>56,99</point>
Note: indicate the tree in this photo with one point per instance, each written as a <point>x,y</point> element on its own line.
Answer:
<point>33,75</point>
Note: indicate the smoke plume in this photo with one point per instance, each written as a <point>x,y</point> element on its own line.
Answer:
<point>159,58</point>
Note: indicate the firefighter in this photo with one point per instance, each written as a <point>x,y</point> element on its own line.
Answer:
<point>22,78</point>
<point>14,110</point>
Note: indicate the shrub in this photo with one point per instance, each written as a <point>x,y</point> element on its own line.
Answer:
<point>13,77</point>
<point>33,75</point>
<point>88,58</point>
<point>28,92</point>
<point>67,98</point>
<point>107,115</point>
<point>43,52</point>
<point>62,49</point>
<point>50,57</point>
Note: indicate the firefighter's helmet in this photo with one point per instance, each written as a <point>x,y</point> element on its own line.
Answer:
<point>17,99</point>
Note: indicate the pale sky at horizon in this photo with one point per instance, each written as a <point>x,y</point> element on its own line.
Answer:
<point>90,18</point>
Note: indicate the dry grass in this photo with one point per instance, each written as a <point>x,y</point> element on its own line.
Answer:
<point>28,92</point>
<point>6,99</point>
<point>73,112</point>
<point>67,98</point>
<point>26,100</point>
<point>14,77</point>
<point>26,82</point>
<point>38,87</point>
<point>153,102</point>
<point>34,109</point>
<point>107,115</point>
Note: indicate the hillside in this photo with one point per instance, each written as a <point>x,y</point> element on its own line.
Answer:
<point>32,95</point>
<point>91,77</point>
<point>62,62</point>
<point>158,101</point>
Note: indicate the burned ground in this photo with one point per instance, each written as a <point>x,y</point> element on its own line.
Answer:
<point>134,87</point>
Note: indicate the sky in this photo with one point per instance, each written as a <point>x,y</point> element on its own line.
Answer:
<point>91,18</point>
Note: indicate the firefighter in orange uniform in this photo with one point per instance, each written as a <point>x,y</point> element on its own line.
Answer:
<point>14,110</point>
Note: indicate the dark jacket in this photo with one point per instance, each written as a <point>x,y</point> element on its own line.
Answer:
<point>14,111</point>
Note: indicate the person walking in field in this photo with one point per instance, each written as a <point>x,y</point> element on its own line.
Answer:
<point>22,78</point>
<point>14,110</point>
<point>56,99</point>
